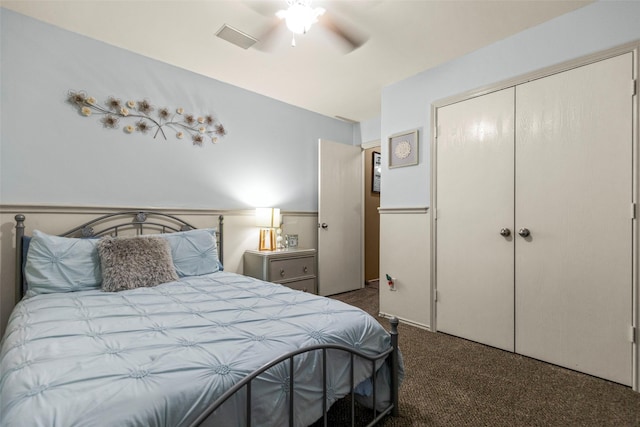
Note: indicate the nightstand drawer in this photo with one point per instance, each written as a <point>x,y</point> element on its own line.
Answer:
<point>286,269</point>
<point>295,268</point>
<point>306,285</point>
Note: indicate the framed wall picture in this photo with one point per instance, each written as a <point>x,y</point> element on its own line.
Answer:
<point>376,172</point>
<point>403,149</point>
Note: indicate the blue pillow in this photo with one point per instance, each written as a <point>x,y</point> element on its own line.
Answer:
<point>62,264</point>
<point>194,252</point>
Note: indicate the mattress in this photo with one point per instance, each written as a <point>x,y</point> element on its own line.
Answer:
<point>158,356</point>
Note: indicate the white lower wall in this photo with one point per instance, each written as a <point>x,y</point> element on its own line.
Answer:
<point>405,254</point>
<point>240,234</point>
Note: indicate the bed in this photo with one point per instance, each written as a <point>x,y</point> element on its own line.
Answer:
<point>89,345</point>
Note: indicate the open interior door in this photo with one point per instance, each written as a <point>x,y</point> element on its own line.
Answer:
<point>340,245</point>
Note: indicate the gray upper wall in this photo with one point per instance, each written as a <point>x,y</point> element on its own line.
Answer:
<point>407,104</point>
<point>49,154</point>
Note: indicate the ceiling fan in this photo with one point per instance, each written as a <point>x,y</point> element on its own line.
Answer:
<point>301,15</point>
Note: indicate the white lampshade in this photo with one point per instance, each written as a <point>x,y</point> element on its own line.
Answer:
<point>268,217</point>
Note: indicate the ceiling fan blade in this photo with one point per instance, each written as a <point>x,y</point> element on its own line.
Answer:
<point>346,34</point>
<point>351,37</point>
<point>270,36</point>
<point>265,8</point>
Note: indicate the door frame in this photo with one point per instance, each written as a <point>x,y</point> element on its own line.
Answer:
<point>633,47</point>
<point>365,158</point>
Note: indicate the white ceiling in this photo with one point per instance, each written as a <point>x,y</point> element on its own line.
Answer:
<point>404,38</point>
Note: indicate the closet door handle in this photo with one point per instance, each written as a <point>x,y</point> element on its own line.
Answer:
<point>505,232</point>
<point>524,232</point>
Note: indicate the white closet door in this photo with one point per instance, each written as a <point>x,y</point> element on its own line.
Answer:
<point>574,194</point>
<point>474,201</point>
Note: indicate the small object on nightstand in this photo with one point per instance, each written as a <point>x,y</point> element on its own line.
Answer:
<point>295,268</point>
<point>292,240</point>
<point>279,239</point>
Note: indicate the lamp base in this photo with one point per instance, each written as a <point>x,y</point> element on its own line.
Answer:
<point>267,240</point>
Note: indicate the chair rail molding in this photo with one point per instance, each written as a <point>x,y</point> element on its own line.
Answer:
<point>404,210</point>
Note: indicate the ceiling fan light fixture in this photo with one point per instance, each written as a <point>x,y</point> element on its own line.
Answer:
<point>300,16</point>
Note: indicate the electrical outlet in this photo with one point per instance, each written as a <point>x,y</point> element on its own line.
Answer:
<point>391,282</point>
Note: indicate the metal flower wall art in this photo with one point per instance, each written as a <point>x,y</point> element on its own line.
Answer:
<point>143,117</point>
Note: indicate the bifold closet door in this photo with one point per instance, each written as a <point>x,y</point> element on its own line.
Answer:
<point>574,170</point>
<point>474,202</point>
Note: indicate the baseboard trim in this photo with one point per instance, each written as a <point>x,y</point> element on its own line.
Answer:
<point>406,321</point>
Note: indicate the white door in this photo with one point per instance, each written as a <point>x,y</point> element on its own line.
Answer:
<point>474,203</point>
<point>340,259</point>
<point>574,171</point>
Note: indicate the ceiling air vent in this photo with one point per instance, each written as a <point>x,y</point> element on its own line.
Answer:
<point>236,37</point>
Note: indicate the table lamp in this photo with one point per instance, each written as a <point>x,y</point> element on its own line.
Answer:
<point>267,219</point>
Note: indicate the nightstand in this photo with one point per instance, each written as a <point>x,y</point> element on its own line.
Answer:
<point>295,268</point>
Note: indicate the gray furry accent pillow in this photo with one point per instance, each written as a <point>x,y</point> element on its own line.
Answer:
<point>134,262</point>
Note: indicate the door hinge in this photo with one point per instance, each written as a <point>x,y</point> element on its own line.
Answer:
<point>633,334</point>
<point>633,211</point>
<point>634,87</point>
<point>435,297</point>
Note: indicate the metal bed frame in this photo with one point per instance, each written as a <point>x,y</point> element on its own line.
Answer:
<point>140,221</point>
<point>158,222</point>
<point>391,353</point>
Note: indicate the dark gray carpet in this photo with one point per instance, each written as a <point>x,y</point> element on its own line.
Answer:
<point>450,381</point>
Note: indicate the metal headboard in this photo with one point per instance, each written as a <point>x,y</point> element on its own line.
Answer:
<point>112,225</point>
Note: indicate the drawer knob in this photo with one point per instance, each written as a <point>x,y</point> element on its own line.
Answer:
<point>305,269</point>
<point>282,272</point>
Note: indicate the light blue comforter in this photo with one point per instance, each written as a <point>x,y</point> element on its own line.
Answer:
<point>157,356</point>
